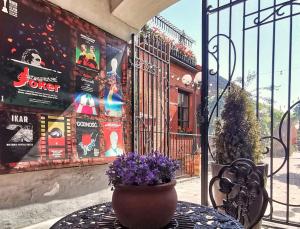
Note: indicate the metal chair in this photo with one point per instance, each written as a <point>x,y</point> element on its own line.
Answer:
<point>243,195</point>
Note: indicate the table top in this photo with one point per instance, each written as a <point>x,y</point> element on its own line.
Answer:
<point>187,215</point>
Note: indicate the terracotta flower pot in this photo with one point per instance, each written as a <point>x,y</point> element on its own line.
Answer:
<point>145,207</point>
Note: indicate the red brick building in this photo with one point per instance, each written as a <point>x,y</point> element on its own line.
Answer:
<point>184,98</point>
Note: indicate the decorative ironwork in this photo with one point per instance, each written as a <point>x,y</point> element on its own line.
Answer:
<point>285,148</point>
<point>211,9</point>
<point>264,14</point>
<point>145,66</point>
<point>243,186</point>
<point>151,63</point>
<point>213,52</point>
<point>187,215</point>
<point>277,14</point>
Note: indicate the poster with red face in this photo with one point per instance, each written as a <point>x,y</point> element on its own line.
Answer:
<point>113,139</point>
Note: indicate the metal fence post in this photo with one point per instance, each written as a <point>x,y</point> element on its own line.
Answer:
<point>204,112</point>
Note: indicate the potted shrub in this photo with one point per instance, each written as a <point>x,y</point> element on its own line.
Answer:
<point>144,189</point>
<point>237,133</point>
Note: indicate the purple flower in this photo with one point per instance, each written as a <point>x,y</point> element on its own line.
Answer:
<point>136,169</point>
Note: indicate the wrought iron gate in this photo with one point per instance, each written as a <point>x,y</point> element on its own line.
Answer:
<point>255,44</point>
<point>150,59</point>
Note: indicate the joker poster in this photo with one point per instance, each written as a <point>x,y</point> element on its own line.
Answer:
<point>34,59</point>
<point>87,53</point>
<point>113,138</point>
<point>57,133</point>
<point>113,96</point>
<point>87,135</point>
<point>87,95</point>
<point>19,135</point>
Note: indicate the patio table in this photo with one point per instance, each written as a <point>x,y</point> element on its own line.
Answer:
<point>187,215</point>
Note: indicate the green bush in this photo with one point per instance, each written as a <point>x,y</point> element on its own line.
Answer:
<point>237,134</point>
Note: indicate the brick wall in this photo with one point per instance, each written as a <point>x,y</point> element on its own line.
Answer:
<point>177,71</point>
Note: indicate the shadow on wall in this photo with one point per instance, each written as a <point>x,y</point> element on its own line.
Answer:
<point>47,185</point>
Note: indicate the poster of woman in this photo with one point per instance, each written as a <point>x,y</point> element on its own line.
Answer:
<point>113,96</point>
<point>113,137</point>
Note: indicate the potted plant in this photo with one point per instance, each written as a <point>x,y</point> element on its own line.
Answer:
<point>144,189</point>
<point>237,134</point>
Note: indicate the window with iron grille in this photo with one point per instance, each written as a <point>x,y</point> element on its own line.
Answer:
<point>183,110</point>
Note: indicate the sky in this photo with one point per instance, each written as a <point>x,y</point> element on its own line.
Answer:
<point>186,15</point>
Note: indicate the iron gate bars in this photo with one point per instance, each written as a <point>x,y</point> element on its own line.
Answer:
<point>248,24</point>
<point>150,64</point>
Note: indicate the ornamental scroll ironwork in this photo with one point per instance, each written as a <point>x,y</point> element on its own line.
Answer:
<point>281,141</point>
<point>278,13</point>
<point>252,18</point>
<point>213,51</point>
<point>145,66</point>
<point>242,186</point>
<point>187,215</point>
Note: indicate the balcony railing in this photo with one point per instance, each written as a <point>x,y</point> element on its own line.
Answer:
<point>183,58</point>
<point>178,37</point>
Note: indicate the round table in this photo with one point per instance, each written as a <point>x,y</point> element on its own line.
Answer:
<point>187,215</point>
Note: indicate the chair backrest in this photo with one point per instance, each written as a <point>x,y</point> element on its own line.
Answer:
<point>242,190</point>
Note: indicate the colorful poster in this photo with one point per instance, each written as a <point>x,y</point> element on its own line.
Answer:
<point>87,135</point>
<point>87,53</point>
<point>34,59</point>
<point>56,135</point>
<point>113,139</point>
<point>113,96</point>
<point>19,135</point>
<point>87,95</point>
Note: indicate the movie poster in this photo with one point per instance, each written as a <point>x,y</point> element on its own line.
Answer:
<point>19,135</point>
<point>87,53</point>
<point>87,135</point>
<point>57,133</point>
<point>113,96</point>
<point>87,95</point>
<point>34,59</point>
<point>113,139</point>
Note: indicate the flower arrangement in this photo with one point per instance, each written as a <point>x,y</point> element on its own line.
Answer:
<point>182,49</point>
<point>136,169</point>
<point>179,47</point>
<point>188,130</point>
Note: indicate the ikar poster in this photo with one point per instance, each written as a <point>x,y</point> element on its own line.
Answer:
<point>19,134</point>
<point>34,59</point>
<point>113,139</point>
<point>87,135</point>
<point>113,95</point>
